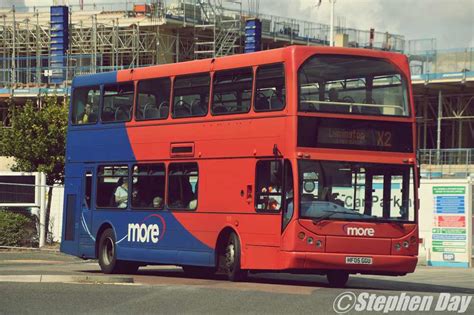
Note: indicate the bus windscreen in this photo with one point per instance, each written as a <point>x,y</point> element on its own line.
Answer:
<point>356,191</point>
<point>352,85</point>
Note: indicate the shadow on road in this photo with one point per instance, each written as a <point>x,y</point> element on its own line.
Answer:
<point>176,275</point>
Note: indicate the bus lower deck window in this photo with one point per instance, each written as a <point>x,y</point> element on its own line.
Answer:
<point>183,186</point>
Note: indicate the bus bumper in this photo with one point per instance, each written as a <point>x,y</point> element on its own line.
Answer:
<point>381,264</point>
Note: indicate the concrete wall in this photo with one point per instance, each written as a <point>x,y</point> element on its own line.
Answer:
<point>56,214</point>
<point>453,61</point>
<point>5,163</point>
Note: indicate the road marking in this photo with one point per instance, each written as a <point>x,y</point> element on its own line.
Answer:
<point>66,279</point>
<point>32,261</point>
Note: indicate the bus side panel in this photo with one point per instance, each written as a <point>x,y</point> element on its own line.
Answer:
<point>154,237</point>
<point>70,234</point>
<point>110,144</point>
<point>223,202</point>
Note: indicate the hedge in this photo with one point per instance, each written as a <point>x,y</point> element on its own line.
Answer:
<point>17,229</point>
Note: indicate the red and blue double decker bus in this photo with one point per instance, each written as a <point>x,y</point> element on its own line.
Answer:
<point>300,159</point>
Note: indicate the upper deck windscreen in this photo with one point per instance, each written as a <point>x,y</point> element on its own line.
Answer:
<point>352,85</point>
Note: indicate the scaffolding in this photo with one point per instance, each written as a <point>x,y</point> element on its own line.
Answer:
<point>106,37</point>
<point>110,37</point>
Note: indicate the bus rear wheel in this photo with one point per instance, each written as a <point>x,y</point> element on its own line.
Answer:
<point>108,256</point>
<point>232,256</point>
<point>337,278</point>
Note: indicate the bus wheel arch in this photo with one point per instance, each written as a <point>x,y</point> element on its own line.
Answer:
<point>101,230</point>
<point>229,254</point>
<point>107,253</point>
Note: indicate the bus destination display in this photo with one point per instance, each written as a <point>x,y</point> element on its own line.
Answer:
<point>333,133</point>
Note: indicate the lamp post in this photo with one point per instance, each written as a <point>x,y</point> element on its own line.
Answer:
<point>331,27</point>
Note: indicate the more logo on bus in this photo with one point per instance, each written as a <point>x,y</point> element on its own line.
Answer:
<point>146,233</point>
<point>359,231</point>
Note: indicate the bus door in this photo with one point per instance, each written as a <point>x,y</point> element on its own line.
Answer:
<point>288,195</point>
<point>273,203</point>
<point>86,238</point>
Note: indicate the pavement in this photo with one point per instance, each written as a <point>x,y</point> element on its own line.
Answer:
<point>35,266</point>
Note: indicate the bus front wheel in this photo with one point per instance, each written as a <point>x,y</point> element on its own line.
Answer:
<point>108,256</point>
<point>232,259</point>
<point>337,278</point>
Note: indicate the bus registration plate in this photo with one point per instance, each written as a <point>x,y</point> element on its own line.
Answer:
<point>359,260</point>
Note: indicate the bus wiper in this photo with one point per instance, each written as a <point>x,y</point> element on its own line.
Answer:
<point>331,213</point>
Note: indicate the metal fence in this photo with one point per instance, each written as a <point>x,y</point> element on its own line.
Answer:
<point>432,62</point>
<point>446,162</point>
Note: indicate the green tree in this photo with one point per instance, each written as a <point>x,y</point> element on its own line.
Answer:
<point>37,139</point>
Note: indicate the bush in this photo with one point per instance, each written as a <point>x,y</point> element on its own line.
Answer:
<point>16,229</point>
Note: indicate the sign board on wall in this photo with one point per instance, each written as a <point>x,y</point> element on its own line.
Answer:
<point>446,221</point>
<point>19,189</point>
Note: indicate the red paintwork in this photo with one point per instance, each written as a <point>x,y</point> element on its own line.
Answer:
<point>227,148</point>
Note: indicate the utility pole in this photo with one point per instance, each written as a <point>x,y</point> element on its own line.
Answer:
<point>331,22</point>
<point>14,48</point>
<point>331,27</point>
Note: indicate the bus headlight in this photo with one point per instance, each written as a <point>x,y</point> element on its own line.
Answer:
<point>406,244</point>
<point>397,246</point>
<point>310,241</point>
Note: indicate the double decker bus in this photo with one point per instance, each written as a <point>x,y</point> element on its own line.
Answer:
<point>299,159</point>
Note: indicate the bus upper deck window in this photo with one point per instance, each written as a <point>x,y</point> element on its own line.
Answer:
<point>191,95</point>
<point>232,91</point>
<point>270,88</point>
<point>117,103</point>
<point>153,99</point>
<point>85,105</point>
<point>352,85</point>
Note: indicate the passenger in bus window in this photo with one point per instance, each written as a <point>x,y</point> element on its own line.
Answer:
<point>157,202</point>
<point>270,200</point>
<point>121,193</point>
<point>192,204</point>
<point>273,204</point>
<point>138,199</point>
<point>333,95</point>
<point>87,116</point>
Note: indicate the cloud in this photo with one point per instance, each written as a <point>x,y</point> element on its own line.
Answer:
<point>9,3</point>
<point>451,22</point>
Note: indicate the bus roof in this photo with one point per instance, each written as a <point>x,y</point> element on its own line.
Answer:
<point>234,61</point>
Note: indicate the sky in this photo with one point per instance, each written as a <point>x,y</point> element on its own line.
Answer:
<point>451,22</point>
